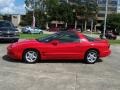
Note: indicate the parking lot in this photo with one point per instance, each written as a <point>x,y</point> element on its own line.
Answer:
<point>103,75</point>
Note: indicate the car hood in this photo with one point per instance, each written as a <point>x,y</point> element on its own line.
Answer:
<point>27,41</point>
<point>6,29</point>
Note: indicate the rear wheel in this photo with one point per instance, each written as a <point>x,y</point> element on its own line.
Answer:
<point>41,32</point>
<point>31,56</point>
<point>29,32</point>
<point>91,56</point>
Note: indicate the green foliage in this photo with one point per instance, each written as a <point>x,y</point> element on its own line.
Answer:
<point>32,36</point>
<point>114,42</point>
<point>61,11</point>
<point>113,21</point>
<point>27,19</point>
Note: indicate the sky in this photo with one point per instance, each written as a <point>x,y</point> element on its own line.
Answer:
<point>17,7</point>
<point>12,7</point>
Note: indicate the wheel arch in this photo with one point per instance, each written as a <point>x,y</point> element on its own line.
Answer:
<point>39,53</point>
<point>92,49</point>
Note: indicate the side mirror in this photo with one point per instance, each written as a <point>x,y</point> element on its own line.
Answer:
<point>55,42</point>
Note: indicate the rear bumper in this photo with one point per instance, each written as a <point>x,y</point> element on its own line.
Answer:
<point>105,53</point>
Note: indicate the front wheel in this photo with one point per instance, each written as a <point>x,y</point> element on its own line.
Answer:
<point>31,56</point>
<point>91,56</point>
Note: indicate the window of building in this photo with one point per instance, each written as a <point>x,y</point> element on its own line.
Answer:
<point>112,9</point>
<point>101,15</point>
<point>102,8</point>
<point>101,1</point>
<point>113,2</point>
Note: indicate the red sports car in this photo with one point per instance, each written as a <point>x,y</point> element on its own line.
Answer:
<point>68,45</point>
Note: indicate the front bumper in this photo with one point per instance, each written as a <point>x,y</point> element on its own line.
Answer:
<point>12,53</point>
<point>8,38</point>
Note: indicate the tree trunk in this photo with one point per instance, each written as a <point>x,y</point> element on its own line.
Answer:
<point>56,25</point>
<point>75,24</point>
<point>85,25</point>
<point>47,26</point>
<point>66,24</point>
<point>91,26</point>
<point>82,27</point>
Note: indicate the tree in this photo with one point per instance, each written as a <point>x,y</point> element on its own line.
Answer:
<point>66,13</point>
<point>35,4</point>
<point>89,10</point>
<point>113,22</point>
<point>59,11</point>
<point>63,11</point>
<point>26,19</point>
<point>52,7</point>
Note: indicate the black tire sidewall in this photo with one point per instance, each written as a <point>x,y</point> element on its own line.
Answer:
<point>40,32</point>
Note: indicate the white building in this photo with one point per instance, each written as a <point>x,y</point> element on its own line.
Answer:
<point>118,7</point>
<point>16,19</point>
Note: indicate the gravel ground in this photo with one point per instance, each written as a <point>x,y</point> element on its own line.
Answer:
<point>103,75</point>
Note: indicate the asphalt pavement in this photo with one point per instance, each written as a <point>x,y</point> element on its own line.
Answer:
<point>51,75</point>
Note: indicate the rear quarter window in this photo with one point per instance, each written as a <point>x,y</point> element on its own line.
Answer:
<point>91,39</point>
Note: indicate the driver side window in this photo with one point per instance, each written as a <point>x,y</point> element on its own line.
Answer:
<point>69,37</point>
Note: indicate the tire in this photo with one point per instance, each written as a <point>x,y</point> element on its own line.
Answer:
<point>28,56</point>
<point>114,38</point>
<point>29,32</point>
<point>40,32</point>
<point>91,57</point>
<point>16,40</point>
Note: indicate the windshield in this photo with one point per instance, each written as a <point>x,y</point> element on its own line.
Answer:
<point>5,24</point>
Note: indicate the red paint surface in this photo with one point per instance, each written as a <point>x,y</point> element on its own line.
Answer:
<point>74,50</point>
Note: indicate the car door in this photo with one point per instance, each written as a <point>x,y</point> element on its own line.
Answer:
<point>35,30</point>
<point>66,46</point>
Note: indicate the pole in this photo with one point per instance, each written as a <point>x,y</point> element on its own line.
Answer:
<point>91,26</point>
<point>106,11</point>
<point>33,23</point>
<point>67,1</point>
<point>75,24</point>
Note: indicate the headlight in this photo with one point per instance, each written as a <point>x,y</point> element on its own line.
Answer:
<point>16,32</point>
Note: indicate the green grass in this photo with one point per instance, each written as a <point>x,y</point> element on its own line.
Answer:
<point>114,41</point>
<point>32,36</point>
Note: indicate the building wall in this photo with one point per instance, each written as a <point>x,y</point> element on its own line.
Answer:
<point>112,8</point>
<point>118,7</point>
